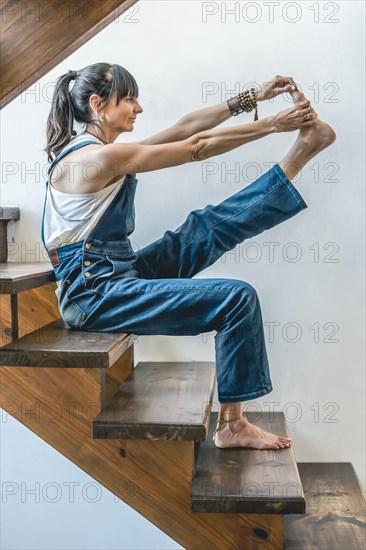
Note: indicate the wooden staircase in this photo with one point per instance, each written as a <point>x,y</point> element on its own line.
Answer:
<point>145,433</point>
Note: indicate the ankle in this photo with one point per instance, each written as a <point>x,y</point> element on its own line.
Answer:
<point>230,411</point>
<point>229,420</point>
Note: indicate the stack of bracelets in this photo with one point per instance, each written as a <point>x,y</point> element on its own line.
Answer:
<point>245,101</point>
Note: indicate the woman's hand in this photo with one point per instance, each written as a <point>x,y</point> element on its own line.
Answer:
<point>276,86</point>
<point>294,117</point>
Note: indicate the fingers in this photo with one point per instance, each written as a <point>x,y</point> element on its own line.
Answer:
<point>303,106</point>
<point>286,82</point>
<point>311,122</point>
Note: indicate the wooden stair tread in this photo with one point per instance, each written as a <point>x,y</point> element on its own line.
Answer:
<point>160,401</point>
<point>57,345</point>
<point>17,277</point>
<point>331,487</point>
<point>336,504</point>
<point>8,213</point>
<point>242,480</point>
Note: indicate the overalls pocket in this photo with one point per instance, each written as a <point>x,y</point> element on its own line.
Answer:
<point>103,261</point>
<point>96,268</point>
<point>110,269</point>
<point>72,314</point>
<point>70,311</point>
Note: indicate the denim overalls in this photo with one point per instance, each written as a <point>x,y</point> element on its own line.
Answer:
<point>104,285</point>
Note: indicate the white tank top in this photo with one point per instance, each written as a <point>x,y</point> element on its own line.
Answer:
<point>69,217</point>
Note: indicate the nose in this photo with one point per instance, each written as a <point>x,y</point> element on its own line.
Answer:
<point>138,108</point>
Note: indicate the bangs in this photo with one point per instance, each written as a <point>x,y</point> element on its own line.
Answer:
<point>123,83</point>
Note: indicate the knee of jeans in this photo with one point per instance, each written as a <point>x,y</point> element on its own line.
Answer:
<point>246,291</point>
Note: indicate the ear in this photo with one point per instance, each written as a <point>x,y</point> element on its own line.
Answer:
<point>94,103</point>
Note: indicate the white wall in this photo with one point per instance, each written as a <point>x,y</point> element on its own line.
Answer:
<point>177,51</point>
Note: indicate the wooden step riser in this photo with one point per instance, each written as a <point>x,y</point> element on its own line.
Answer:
<point>36,308</point>
<point>154,477</point>
<point>105,383</point>
<point>112,378</point>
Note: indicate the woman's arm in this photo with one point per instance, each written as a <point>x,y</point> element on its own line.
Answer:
<point>190,124</point>
<point>210,117</point>
<point>124,158</point>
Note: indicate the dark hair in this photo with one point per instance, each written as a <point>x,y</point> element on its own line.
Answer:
<point>103,79</point>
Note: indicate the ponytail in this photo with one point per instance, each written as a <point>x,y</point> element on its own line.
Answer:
<point>59,127</point>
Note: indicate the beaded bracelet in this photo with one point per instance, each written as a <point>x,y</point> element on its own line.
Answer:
<point>245,101</point>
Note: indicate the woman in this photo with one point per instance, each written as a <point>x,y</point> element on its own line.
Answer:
<point>104,285</point>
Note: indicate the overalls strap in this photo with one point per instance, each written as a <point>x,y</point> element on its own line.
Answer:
<point>69,150</point>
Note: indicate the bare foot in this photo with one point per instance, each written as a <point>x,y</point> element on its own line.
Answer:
<point>316,137</point>
<point>241,433</point>
<point>297,96</point>
<point>311,140</point>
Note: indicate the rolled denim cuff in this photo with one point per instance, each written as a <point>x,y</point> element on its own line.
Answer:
<point>284,179</point>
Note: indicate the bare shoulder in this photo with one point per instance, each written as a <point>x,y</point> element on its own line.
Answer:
<point>82,171</point>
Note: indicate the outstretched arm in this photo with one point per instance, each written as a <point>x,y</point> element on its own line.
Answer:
<point>190,124</point>
<point>124,158</point>
<point>210,117</point>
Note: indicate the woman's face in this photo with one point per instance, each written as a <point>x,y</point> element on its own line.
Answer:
<point>120,118</point>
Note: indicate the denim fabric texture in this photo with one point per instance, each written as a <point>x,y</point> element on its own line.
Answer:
<point>104,285</point>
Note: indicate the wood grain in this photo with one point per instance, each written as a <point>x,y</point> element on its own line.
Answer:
<point>247,480</point>
<point>336,504</point>
<point>331,487</point>
<point>36,308</point>
<point>160,400</point>
<point>37,35</point>
<point>56,345</point>
<point>17,277</point>
<point>153,477</point>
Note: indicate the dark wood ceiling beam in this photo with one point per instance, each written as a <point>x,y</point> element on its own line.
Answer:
<point>36,35</point>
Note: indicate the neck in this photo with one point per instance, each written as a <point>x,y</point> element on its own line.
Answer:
<point>108,136</point>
